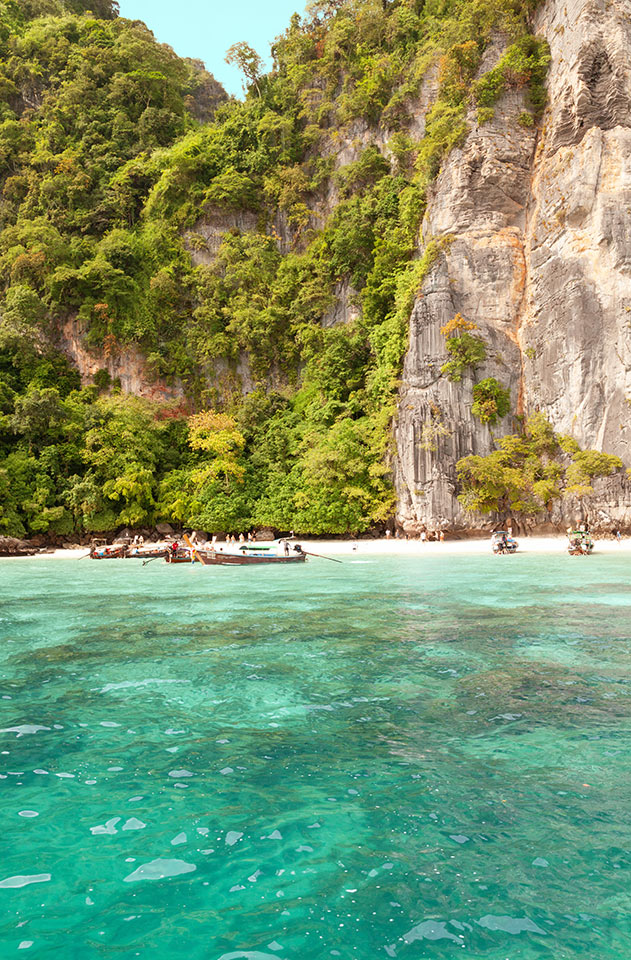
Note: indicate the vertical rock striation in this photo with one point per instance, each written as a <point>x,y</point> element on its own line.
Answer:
<point>576,327</point>
<point>540,260</point>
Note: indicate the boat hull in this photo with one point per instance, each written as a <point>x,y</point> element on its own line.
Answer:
<point>227,559</point>
<point>110,555</point>
<point>145,554</point>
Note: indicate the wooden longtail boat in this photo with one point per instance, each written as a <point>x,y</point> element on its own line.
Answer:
<point>188,557</point>
<point>503,542</point>
<point>250,554</point>
<point>243,559</point>
<point>118,551</point>
<point>146,553</point>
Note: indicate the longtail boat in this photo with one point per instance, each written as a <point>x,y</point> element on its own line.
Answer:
<point>250,555</point>
<point>503,542</point>
<point>101,551</point>
<point>180,556</point>
<point>146,553</point>
<point>580,543</point>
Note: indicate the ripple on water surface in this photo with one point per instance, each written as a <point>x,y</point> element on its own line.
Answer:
<point>419,758</point>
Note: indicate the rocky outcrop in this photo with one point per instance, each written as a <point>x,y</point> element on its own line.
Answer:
<point>541,261</point>
<point>125,363</point>
<point>479,201</point>
<point>345,307</point>
<point>206,95</point>
<point>12,547</point>
<point>576,326</point>
<point>204,240</point>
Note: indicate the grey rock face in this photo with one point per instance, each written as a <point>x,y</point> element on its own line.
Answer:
<point>12,547</point>
<point>345,307</point>
<point>204,241</point>
<point>480,201</point>
<point>576,325</point>
<point>165,529</point>
<point>541,262</point>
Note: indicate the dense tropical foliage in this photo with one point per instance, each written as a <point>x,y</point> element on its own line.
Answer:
<point>116,155</point>
<point>530,470</point>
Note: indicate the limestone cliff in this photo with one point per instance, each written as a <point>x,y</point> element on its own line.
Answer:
<point>540,260</point>
<point>289,269</point>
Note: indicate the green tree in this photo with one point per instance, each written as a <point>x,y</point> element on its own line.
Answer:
<point>38,417</point>
<point>586,466</point>
<point>527,473</point>
<point>247,60</point>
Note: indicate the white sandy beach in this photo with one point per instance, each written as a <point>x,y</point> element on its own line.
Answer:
<point>415,548</point>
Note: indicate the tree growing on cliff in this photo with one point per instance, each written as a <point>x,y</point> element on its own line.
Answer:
<point>38,417</point>
<point>104,9</point>
<point>587,466</point>
<point>217,436</point>
<point>513,479</point>
<point>464,348</point>
<point>491,401</point>
<point>245,57</point>
<point>529,471</point>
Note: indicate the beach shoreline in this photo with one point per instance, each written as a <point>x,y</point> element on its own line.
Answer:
<point>403,548</point>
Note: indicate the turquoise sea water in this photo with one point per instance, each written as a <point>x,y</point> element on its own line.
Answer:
<point>386,758</point>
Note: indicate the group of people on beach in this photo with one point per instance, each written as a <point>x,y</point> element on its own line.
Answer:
<point>425,536</point>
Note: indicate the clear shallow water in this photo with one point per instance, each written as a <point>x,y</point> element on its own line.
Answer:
<point>398,758</point>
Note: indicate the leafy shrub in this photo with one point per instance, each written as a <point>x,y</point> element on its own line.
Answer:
<point>102,379</point>
<point>491,401</point>
<point>490,86</point>
<point>485,115</point>
<point>364,172</point>
<point>524,63</point>
<point>586,466</point>
<point>464,348</point>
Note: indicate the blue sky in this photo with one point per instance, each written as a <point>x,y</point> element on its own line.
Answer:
<point>204,29</point>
